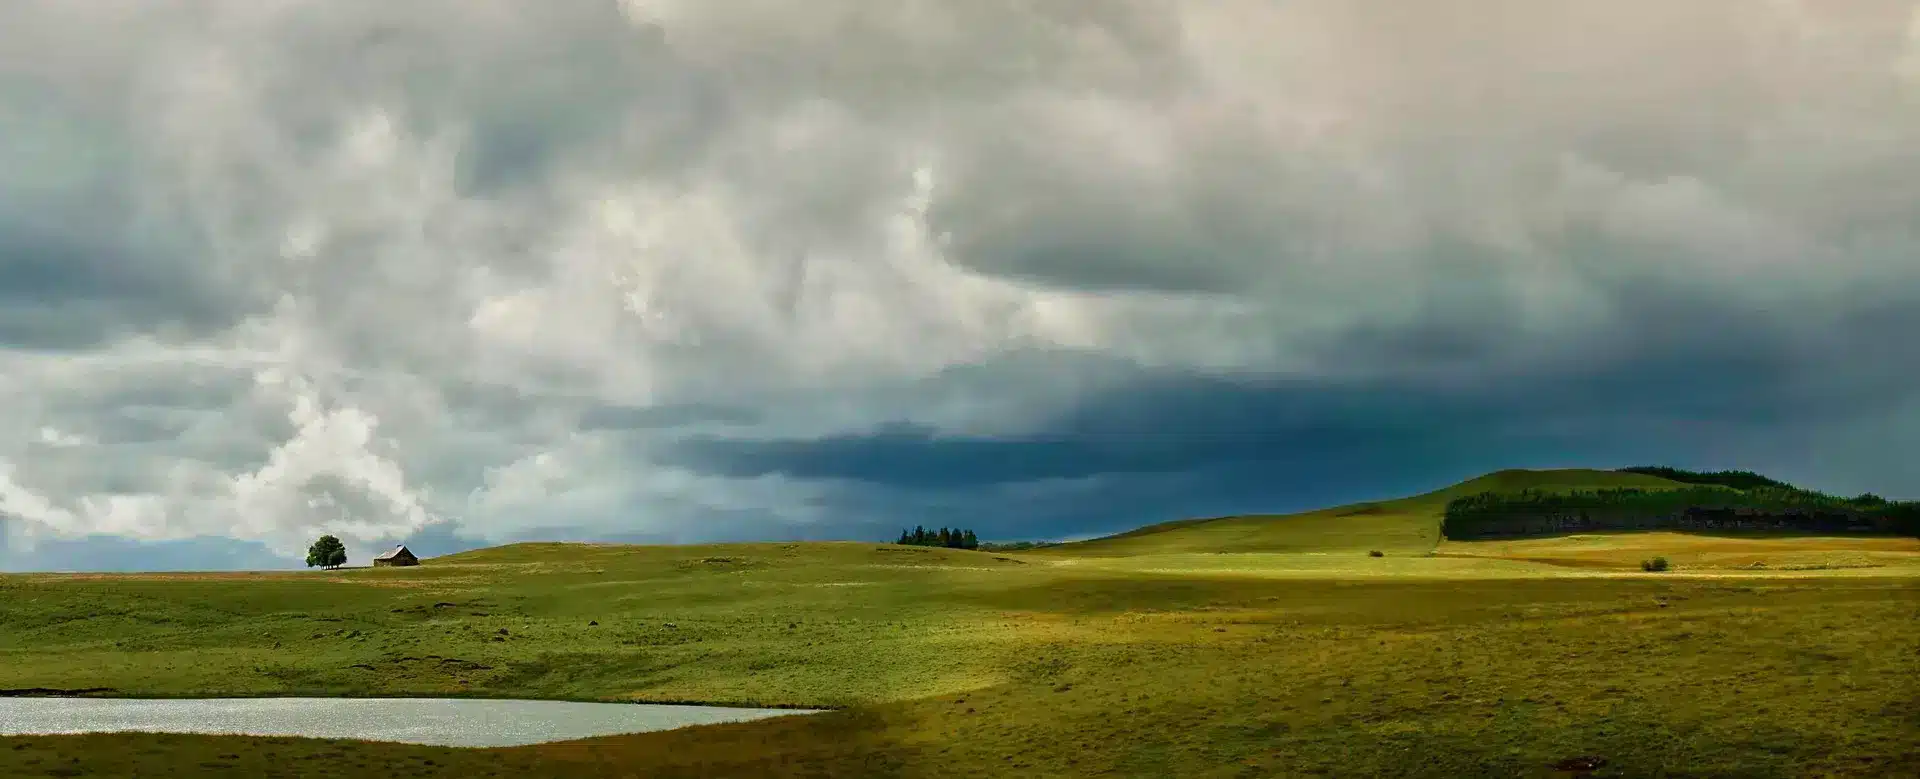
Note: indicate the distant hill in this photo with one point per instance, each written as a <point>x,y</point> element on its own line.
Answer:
<point>1721,501</point>
<point>1554,480</point>
<point>1402,525</point>
<point>1739,480</point>
<point>1415,524</point>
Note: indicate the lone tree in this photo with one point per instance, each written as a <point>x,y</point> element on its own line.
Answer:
<point>327,553</point>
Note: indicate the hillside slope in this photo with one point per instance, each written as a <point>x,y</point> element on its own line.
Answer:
<point>1409,524</point>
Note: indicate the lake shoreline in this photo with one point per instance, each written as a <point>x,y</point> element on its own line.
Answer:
<point>438,721</point>
<point>108,693</point>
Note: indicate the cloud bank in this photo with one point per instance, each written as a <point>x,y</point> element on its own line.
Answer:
<point>653,270</point>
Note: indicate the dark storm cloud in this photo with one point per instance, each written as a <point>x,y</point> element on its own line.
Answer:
<point>68,282</point>
<point>1685,381</point>
<point>1676,361</point>
<point>86,256</point>
<point>1166,425</point>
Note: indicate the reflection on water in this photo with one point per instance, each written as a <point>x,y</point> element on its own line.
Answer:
<point>441,722</point>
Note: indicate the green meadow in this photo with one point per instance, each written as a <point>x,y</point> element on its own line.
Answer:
<point>1233,647</point>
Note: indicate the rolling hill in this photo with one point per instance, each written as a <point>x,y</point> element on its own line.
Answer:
<point>1403,525</point>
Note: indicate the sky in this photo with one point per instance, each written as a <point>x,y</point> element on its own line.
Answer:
<point>467,272</point>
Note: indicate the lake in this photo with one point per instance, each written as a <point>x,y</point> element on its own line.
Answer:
<point>439,722</point>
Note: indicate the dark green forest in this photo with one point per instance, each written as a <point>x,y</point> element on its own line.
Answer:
<point>951,538</point>
<point>1726,501</point>
<point>1739,480</point>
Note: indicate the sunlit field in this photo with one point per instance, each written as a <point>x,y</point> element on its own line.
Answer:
<point>1306,656</point>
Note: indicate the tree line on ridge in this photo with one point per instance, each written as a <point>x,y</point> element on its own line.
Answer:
<point>951,538</point>
<point>1720,501</point>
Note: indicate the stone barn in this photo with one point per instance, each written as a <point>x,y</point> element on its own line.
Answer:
<point>399,556</point>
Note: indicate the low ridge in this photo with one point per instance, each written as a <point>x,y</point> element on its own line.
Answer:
<point>1504,503</point>
<point>1403,525</point>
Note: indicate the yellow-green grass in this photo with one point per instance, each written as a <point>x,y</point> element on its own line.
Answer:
<point>1399,526</point>
<point>1697,553</point>
<point>753,624</point>
<point>971,664</point>
<point>1314,660</point>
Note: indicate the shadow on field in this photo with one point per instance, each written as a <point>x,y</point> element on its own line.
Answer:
<point>1454,602</point>
<point>839,743</point>
<point>830,744</point>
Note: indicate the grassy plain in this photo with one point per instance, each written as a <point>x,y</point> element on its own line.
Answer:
<point>1302,657</point>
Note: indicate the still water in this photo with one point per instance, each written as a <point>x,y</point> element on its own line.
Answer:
<point>441,722</point>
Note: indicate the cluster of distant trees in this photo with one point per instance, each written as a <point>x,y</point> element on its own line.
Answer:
<point>1711,502</point>
<point>951,538</point>
<point>1739,480</point>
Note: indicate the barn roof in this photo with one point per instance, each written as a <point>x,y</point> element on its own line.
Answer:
<point>397,552</point>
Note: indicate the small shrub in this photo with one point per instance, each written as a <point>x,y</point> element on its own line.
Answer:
<point>1376,553</point>
<point>1656,564</point>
